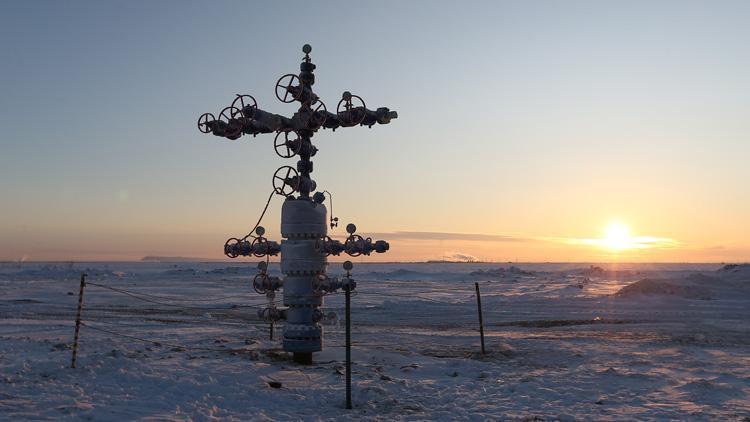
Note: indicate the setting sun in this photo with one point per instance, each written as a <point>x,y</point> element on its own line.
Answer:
<point>617,236</point>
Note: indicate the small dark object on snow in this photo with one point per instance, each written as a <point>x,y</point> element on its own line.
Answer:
<point>274,384</point>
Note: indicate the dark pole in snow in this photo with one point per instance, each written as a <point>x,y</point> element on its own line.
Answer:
<point>78,320</point>
<point>271,331</point>
<point>481,323</point>
<point>347,289</point>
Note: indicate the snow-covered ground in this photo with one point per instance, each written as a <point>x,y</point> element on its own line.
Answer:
<point>564,341</point>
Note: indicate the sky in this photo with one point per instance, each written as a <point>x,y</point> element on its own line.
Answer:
<point>528,131</point>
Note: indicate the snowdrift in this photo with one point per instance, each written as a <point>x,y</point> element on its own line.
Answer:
<point>656,286</point>
<point>730,281</point>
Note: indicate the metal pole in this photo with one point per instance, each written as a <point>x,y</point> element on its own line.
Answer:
<point>479,308</point>
<point>347,289</point>
<point>78,320</point>
<point>271,331</point>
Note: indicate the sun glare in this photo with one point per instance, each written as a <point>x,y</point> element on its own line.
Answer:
<point>617,236</point>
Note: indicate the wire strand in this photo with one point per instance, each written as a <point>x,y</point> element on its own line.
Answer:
<point>405,296</point>
<point>138,297</point>
<point>177,299</point>
<point>268,202</point>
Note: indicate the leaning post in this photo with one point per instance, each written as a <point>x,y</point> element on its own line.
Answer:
<point>78,320</point>
<point>479,309</point>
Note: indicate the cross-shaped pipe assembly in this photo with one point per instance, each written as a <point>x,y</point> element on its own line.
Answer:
<point>304,219</point>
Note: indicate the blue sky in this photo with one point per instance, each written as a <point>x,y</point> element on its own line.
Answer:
<point>541,119</point>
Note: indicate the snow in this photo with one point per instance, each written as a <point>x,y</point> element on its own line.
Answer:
<point>564,341</point>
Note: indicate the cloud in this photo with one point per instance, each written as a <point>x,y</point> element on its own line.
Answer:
<point>451,236</point>
<point>634,242</point>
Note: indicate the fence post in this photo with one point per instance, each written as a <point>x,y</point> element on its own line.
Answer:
<point>479,308</point>
<point>78,320</point>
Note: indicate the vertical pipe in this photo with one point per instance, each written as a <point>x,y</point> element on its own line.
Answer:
<point>78,320</point>
<point>347,289</point>
<point>479,308</point>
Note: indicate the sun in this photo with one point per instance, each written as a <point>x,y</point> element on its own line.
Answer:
<point>617,236</point>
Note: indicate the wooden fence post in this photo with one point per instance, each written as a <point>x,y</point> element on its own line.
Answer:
<point>78,320</point>
<point>479,308</point>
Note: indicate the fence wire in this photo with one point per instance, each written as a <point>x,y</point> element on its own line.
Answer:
<point>96,323</point>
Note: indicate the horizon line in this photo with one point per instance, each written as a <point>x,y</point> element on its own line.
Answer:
<point>430,261</point>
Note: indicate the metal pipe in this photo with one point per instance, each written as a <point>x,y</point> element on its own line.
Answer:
<point>347,289</point>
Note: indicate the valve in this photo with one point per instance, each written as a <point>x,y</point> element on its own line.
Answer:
<point>271,314</point>
<point>351,109</point>
<point>206,122</point>
<point>316,115</point>
<point>354,243</point>
<point>283,184</point>
<point>285,147</point>
<point>260,283</point>
<point>324,245</point>
<point>321,284</point>
<point>246,104</point>
<point>230,247</point>
<point>231,125</point>
<point>260,246</point>
<point>263,284</point>
<point>286,85</point>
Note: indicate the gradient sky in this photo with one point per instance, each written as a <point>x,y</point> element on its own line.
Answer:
<point>533,124</point>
